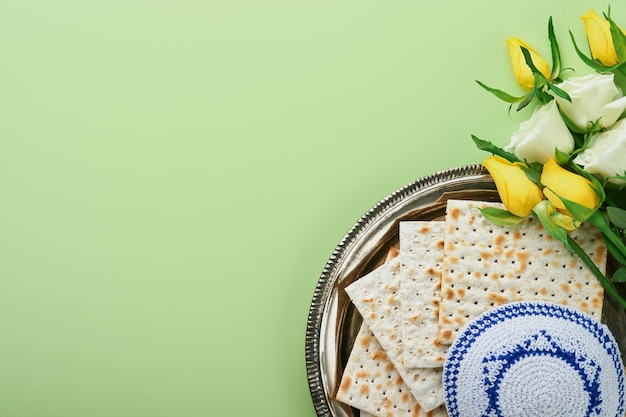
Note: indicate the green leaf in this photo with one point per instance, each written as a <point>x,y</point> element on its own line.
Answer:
<point>619,275</point>
<point>542,211</point>
<point>500,217</point>
<point>608,288</point>
<point>556,54</point>
<point>527,99</point>
<point>559,92</point>
<point>531,65</point>
<point>561,157</point>
<point>617,216</point>
<point>485,145</point>
<point>613,241</point>
<point>569,123</point>
<point>578,211</point>
<point>582,142</point>
<point>619,40</point>
<point>543,96</point>
<point>532,173</point>
<point>501,94</point>
<point>594,64</point>
<point>615,195</point>
<point>539,84</point>
<point>613,249</point>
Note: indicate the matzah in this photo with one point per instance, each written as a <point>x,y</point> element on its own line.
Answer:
<point>376,297</point>
<point>486,265</point>
<point>421,249</point>
<point>371,383</point>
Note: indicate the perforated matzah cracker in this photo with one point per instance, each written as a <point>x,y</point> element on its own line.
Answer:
<point>371,383</point>
<point>486,265</point>
<point>421,246</point>
<point>376,297</point>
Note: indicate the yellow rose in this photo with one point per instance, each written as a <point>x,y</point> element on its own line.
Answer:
<point>517,192</point>
<point>599,37</point>
<point>559,181</point>
<point>523,73</point>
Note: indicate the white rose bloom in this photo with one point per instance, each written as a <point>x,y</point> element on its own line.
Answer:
<point>538,137</point>
<point>594,96</point>
<point>606,153</point>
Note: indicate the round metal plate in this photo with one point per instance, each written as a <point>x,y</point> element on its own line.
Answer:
<point>333,322</point>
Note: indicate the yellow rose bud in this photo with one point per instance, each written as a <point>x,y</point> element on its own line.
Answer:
<point>523,73</point>
<point>517,192</point>
<point>599,37</point>
<point>559,182</point>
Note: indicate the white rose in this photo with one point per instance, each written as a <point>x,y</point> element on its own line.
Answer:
<point>538,137</point>
<point>594,96</point>
<point>605,154</point>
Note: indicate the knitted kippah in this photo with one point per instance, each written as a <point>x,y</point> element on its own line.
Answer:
<point>532,359</point>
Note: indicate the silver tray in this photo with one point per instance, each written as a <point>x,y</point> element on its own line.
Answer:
<point>333,321</point>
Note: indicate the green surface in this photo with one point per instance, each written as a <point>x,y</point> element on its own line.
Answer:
<point>175,174</point>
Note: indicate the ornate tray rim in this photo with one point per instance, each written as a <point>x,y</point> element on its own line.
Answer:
<point>323,337</point>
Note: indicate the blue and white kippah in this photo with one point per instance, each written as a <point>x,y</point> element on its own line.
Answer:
<point>534,359</point>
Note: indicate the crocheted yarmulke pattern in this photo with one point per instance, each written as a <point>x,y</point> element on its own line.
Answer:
<point>533,359</point>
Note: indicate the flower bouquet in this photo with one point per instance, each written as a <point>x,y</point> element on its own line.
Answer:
<point>566,164</point>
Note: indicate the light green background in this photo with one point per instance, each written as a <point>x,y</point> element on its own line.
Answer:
<point>175,174</point>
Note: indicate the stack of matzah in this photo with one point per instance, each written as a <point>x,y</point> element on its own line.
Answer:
<point>446,274</point>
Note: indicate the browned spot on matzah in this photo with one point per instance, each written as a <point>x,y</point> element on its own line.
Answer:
<point>600,256</point>
<point>405,397</point>
<point>596,302</point>
<point>496,298</point>
<point>379,355</point>
<point>455,213</point>
<point>565,287</point>
<point>461,292</point>
<point>345,383</point>
<point>432,271</point>
<point>449,294</point>
<point>363,373</point>
<point>522,256</point>
<point>364,390</point>
<point>365,341</point>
